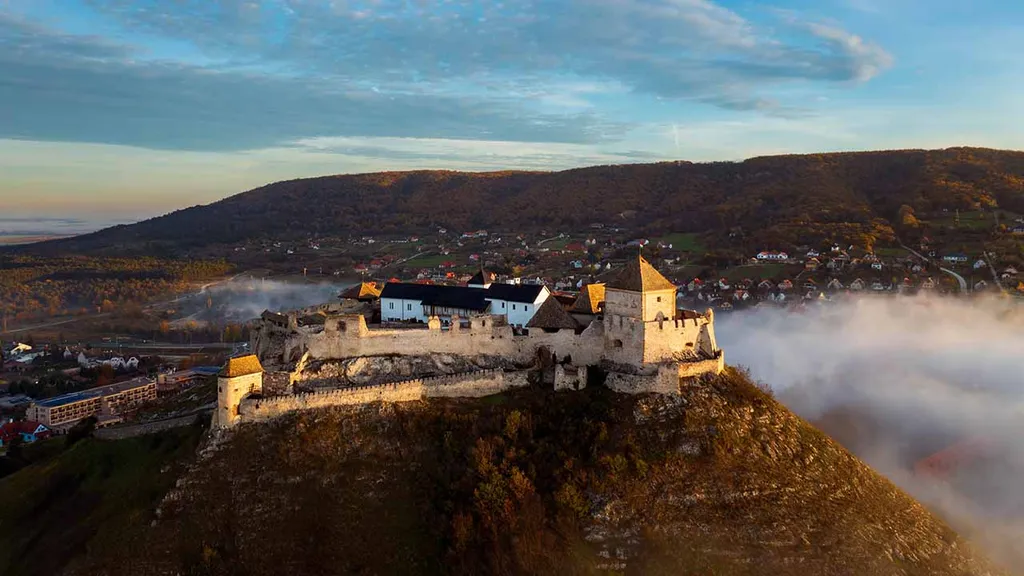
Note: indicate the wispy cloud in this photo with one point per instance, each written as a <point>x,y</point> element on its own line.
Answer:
<point>274,71</point>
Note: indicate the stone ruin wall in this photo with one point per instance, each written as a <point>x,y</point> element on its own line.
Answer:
<point>471,385</point>
<point>677,339</point>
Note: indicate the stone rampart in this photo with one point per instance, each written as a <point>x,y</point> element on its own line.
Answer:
<point>667,378</point>
<point>471,385</point>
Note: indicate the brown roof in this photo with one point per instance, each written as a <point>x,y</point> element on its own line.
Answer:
<point>241,366</point>
<point>639,276</point>
<point>551,315</point>
<point>590,300</point>
<point>362,291</point>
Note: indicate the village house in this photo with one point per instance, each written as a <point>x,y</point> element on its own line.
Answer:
<point>27,430</point>
<point>955,258</point>
<point>772,256</point>
<point>857,285</point>
<point>403,302</point>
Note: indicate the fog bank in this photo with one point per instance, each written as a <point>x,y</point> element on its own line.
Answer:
<point>897,379</point>
<point>245,299</point>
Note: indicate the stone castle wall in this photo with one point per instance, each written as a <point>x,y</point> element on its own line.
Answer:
<point>672,339</point>
<point>471,385</point>
<point>667,378</point>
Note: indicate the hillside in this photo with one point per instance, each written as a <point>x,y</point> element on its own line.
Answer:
<point>776,200</point>
<point>723,480</point>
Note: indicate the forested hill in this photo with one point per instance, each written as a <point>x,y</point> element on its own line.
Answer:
<point>768,198</point>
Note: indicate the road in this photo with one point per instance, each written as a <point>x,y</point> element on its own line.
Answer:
<point>55,323</point>
<point>995,273</point>
<point>959,279</point>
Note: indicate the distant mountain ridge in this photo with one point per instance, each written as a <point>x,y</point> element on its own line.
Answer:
<point>856,193</point>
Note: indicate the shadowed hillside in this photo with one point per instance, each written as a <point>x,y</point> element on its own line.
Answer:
<point>855,196</point>
<point>723,480</point>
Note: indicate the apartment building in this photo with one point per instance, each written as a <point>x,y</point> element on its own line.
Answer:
<point>62,412</point>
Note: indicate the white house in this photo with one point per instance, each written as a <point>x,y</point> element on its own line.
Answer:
<point>772,255</point>
<point>518,303</point>
<point>400,302</point>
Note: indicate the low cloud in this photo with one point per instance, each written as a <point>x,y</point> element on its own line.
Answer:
<point>898,379</point>
<point>245,299</point>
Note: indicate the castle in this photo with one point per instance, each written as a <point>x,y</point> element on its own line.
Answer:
<point>627,333</point>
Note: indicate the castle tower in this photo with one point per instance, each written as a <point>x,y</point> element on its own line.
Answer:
<point>638,303</point>
<point>240,377</point>
<point>640,292</point>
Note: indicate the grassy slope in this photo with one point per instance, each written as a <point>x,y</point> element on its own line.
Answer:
<point>89,499</point>
<point>726,481</point>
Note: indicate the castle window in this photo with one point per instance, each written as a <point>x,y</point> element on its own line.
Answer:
<point>617,343</point>
<point>659,298</point>
<point>513,306</point>
<point>409,306</point>
<point>502,305</point>
<point>391,305</point>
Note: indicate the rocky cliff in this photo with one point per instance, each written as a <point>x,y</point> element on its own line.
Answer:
<point>722,480</point>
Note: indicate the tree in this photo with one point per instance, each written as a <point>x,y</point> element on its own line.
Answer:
<point>82,429</point>
<point>907,217</point>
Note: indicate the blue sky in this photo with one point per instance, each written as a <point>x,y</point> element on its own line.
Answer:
<point>130,108</point>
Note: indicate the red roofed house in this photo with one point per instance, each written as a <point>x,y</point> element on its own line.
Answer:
<point>28,430</point>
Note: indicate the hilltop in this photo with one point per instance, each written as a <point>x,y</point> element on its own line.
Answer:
<point>773,200</point>
<point>722,479</point>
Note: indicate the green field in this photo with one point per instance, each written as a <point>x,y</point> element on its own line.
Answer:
<point>685,242</point>
<point>96,495</point>
<point>760,272</point>
<point>431,260</point>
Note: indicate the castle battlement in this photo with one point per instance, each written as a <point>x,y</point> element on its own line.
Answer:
<point>640,333</point>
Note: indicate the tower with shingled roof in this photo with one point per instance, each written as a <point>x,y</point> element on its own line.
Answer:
<point>638,302</point>
<point>241,376</point>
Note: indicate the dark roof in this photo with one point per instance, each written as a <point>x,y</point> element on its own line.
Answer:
<point>458,297</point>
<point>482,278</point>
<point>274,317</point>
<point>515,292</point>
<point>438,295</point>
<point>551,314</point>
<point>407,291</point>
<point>640,276</point>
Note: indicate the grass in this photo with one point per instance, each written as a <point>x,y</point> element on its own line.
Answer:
<point>685,242</point>
<point>430,260</point>
<point>760,272</point>
<point>94,496</point>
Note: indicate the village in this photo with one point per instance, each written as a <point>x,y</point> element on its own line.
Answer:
<point>49,390</point>
<point>725,279</point>
<point>398,281</point>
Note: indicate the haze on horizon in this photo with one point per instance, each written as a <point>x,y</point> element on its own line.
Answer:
<point>124,109</point>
